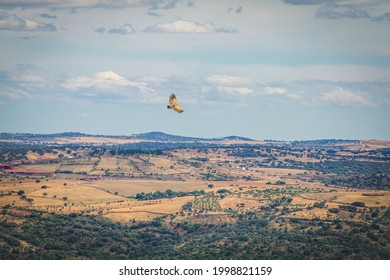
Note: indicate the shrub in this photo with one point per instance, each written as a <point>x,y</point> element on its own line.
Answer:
<point>222,191</point>
<point>358,204</point>
<point>333,210</point>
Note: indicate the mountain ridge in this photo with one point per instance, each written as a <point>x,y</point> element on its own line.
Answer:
<point>162,136</point>
<point>148,136</point>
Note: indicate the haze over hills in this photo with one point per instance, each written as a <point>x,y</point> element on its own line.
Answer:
<point>148,136</point>
<point>160,140</point>
<point>161,136</point>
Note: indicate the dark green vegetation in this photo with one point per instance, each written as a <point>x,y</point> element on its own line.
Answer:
<point>166,194</point>
<point>50,236</point>
<point>123,151</point>
<point>354,169</point>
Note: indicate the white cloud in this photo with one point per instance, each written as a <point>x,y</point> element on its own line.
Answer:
<point>295,96</point>
<point>327,72</point>
<point>227,80</point>
<point>340,2</point>
<point>275,90</point>
<point>28,81</point>
<point>170,4</point>
<point>108,4</point>
<point>336,12</point>
<point>236,90</point>
<point>230,84</point>
<point>13,93</point>
<point>15,23</point>
<point>125,29</point>
<point>185,26</point>
<point>343,97</point>
<point>108,80</point>
<point>31,82</point>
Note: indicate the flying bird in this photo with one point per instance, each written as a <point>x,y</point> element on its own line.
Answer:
<point>174,104</point>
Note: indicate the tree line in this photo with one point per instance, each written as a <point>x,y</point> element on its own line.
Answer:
<point>166,194</point>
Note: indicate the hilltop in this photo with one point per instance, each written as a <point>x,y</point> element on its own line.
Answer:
<point>161,136</point>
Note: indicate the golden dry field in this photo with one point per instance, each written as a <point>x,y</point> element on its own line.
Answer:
<point>114,198</point>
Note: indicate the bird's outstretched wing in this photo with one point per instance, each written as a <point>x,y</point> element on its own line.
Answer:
<point>174,104</point>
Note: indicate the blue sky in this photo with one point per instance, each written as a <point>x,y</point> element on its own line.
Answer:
<point>270,69</point>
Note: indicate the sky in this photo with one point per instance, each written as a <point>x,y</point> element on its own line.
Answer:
<point>269,69</point>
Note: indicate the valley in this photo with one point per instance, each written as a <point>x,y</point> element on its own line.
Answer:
<point>191,189</point>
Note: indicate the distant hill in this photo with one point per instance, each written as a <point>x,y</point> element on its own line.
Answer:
<point>33,136</point>
<point>235,138</point>
<point>40,136</point>
<point>147,136</point>
<point>161,136</point>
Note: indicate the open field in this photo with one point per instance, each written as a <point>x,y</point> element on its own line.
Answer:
<point>114,198</point>
<point>132,187</point>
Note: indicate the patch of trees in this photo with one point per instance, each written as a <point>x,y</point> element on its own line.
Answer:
<point>97,151</point>
<point>88,237</point>
<point>358,204</point>
<point>78,237</point>
<point>348,167</point>
<point>165,146</point>
<point>214,177</point>
<point>223,191</point>
<point>12,152</point>
<point>128,151</point>
<point>349,208</point>
<point>166,194</point>
<point>333,210</point>
<point>64,171</point>
<point>373,194</point>
<point>284,200</point>
<point>20,192</point>
<point>18,151</point>
<point>195,164</point>
<point>377,181</point>
<point>248,152</point>
<point>202,159</point>
<point>319,204</point>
